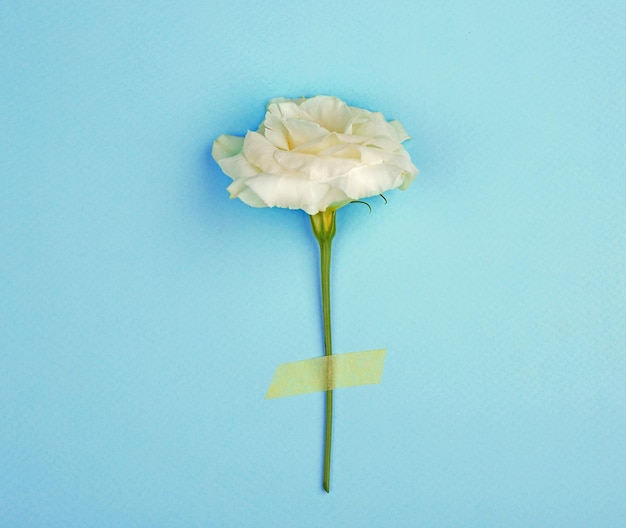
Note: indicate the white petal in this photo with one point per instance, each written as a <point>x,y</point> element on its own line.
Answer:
<point>342,151</point>
<point>291,191</point>
<point>238,167</point>
<point>301,132</point>
<point>226,146</point>
<point>384,143</point>
<point>288,108</point>
<point>403,160</point>
<point>409,177</point>
<point>332,113</point>
<point>318,168</point>
<point>319,144</point>
<point>400,158</point>
<point>260,153</point>
<point>372,155</point>
<point>401,134</point>
<point>353,139</point>
<point>334,198</point>
<point>375,125</point>
<point>276,132</point>
<point>356,115</point>
<point>370,180</point>
<point>245,194</point>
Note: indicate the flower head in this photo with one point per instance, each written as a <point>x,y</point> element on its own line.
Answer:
<point>315,154</point>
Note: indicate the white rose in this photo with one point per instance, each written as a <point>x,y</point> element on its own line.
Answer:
<point>315,154</point>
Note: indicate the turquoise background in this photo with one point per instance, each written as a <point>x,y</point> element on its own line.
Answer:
<point>142,313</point>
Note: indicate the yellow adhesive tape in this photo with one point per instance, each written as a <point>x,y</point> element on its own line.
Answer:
<point>327,373</point>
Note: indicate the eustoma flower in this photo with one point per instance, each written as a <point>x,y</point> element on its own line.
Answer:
<point>316,154</point>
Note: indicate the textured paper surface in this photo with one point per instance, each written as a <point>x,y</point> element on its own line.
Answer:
<point>139,305</point>
<point>326,373</point>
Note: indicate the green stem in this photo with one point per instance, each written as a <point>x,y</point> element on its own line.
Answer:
<point>324,228</point>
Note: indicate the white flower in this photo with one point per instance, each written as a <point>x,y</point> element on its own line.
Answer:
<point>315,154</point>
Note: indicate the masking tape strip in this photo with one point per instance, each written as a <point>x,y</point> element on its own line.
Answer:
<point>327,373</point>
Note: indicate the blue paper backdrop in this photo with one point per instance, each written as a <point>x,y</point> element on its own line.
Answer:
<point>143,313</point>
